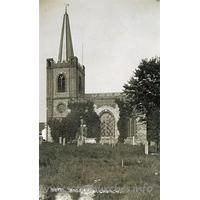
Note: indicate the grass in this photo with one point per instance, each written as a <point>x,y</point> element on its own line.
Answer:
<point>101,166</point>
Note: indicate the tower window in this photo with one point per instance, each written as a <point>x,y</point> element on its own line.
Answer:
<point>61,83</point>
<point>80,85</point>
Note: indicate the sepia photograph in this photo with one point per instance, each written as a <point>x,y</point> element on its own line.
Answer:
<point>89,72</point>
<point>99,99</point>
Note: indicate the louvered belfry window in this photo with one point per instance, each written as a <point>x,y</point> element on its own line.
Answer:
<point>61,83</point>
<point>80,85</point>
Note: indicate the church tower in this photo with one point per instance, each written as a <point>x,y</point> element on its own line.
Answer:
<point>66,77</point>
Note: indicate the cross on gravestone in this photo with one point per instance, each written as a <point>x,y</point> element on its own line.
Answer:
<point>63,141</point>
<point>146,147</point>
<point>60,140</point>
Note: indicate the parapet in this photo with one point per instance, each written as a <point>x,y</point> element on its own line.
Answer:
<point>72,62</point>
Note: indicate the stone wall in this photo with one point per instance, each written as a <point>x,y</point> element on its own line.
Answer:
<point>71,70</point>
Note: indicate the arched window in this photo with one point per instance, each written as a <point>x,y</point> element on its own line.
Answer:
<point>107,124</point>
<point>61,83</point>
<point>80,85</point>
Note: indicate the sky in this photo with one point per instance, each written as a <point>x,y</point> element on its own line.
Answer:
<point>116,35</point>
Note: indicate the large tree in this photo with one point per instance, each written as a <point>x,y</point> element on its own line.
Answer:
<point>69,126</point>
<point>125,113</point>
<point>143,95</point>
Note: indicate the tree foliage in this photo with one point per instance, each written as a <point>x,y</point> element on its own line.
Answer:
<point>143,94</point>
<point>55,125</point>
<point>69,126</point>
<point>124,115</point>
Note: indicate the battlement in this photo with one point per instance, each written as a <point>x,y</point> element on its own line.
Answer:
<point>104,95</point>
<point>72,62</point>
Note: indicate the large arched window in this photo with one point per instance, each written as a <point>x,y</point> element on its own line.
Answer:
<point>61,83</point>
<point>107,124</point>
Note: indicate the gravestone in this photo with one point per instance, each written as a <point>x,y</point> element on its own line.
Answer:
<point>60,140</point>
<point>113,142</point>
<point>146,147</point>
<point>79,141</point>
<point>90,141</point>
<point>40,139</point>
<point>63,141</point>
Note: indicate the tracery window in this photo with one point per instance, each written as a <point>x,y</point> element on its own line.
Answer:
<point>61,83</point>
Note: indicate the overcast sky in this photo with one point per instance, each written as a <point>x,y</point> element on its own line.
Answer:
<point>115,35</point>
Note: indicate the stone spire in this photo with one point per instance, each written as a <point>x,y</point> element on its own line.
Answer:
<point>66,47</point>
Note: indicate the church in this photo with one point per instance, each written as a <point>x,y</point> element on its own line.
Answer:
<point>66,83</point>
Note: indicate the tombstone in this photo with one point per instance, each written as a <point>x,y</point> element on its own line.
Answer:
<point>146,147</point>
<point>79,141</point>
<point>63,141</point>
<point>40,139</point>
<point>90,141</point>
<point>60,140</point>
<point>113,142</point>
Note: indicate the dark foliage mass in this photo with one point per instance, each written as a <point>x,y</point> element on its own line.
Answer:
<point>124,115</point>
<point>143,95</point>
<point>69,126</point>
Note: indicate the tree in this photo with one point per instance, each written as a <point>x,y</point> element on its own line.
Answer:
<point>124,115</point>
<point>69,126</point>
<point>55,125</point>
<point>143,95</point>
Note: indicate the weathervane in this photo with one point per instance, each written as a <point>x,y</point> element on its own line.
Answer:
<point>66,7</point>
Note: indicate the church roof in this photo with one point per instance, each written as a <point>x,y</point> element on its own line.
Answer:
<point>108,94</point>
<point>66,47</point>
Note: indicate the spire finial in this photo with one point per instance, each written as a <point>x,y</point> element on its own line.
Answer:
<point>66,7</point>
<point>66,47</point>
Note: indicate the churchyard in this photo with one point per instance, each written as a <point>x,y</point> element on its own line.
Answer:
<point>100,166</point>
